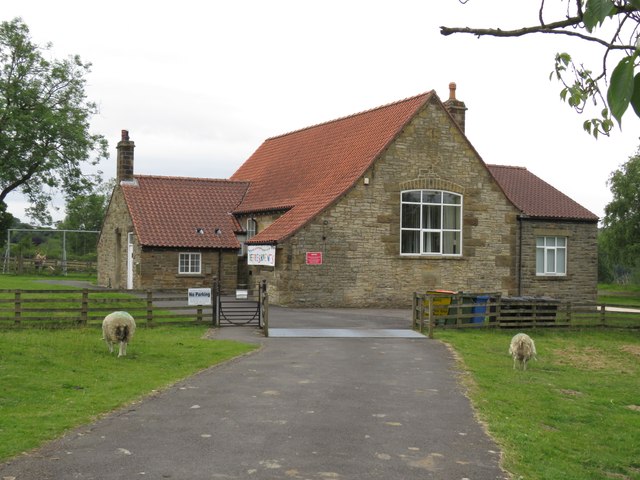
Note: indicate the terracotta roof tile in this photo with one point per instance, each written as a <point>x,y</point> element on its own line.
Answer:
<point>304,171</point>
<point>168,211</point>
<point>535,197</point>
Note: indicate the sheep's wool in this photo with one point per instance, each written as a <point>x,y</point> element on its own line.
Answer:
<point>118,327</point>
<point>522,349</point>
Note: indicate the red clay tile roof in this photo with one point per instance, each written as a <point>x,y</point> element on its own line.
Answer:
<point>535,197</point>
<point>167,211</point>
<point>304,171</point>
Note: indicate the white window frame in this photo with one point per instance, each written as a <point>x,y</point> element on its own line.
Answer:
<point>551,256</point>
<point>189,263</point>
<point>252,227</point>
<point>437,233</point>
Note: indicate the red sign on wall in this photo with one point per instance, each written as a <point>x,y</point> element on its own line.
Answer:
<point>314,258</point>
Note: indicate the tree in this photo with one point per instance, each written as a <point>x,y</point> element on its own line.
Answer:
<point>44,123</point>
<point>6,221</point>
<point>616,23</point>
<point>86,212</point>
<point>622,215</point>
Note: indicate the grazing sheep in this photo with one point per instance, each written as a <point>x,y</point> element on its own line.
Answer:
<point>118,327</point>
<point>522,349</point>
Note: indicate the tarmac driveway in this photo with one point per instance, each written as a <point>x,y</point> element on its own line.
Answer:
<point>298,408</point>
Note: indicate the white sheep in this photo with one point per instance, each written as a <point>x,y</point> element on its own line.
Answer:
<point>522,349</point>
<point>118,327</point>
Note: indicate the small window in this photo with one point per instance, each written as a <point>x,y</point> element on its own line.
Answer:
<point>551,256</point>
<point>431,223</point>
<point>252,227</point>
<point>189,263</point>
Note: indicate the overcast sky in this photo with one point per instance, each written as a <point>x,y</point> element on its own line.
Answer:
<point>201,84</point>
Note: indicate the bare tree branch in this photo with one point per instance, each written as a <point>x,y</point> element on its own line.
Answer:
<point>552,28</point>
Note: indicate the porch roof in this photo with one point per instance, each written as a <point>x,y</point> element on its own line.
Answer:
<point>535,197</point>
<point>184,212</point>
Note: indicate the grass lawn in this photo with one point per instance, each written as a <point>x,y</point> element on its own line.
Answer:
<point>619,294</point>
<point>40,282</point>
<point>53,380</point>
<point>573,415</point>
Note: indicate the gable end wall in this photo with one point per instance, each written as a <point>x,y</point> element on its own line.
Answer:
<point>359,236</point>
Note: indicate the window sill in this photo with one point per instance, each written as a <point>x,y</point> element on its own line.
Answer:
<point>418,256</point>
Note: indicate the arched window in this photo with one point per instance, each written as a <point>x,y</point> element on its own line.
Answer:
<point>431,223</point>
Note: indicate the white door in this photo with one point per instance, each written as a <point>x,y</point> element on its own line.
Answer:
<point>130,261</point>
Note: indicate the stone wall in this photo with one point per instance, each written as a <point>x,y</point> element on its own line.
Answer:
<point>158,268</point>
<point>580,284</point>
<point>112,245</point>
<point>359,236</point>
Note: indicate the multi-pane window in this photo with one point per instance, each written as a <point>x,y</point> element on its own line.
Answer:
<point>252,227</point>
<point>431,223</point>
<point>551,256</point>
<point>189,263</point>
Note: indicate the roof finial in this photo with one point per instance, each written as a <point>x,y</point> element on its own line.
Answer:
<point>452,91</point>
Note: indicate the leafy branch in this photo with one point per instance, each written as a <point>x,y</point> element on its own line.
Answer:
<point>583,19</point>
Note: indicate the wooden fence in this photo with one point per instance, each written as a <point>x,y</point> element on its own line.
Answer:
<point>434,311</point>
<point>49,266</point>
<point>63,308</point>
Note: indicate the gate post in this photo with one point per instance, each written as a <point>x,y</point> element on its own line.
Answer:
<point>215,295</point>
<point>266,313</point>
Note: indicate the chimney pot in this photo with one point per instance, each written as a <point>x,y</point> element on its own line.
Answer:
<point>452,91</point>
<point>455,107</point>
<point>125,135</point>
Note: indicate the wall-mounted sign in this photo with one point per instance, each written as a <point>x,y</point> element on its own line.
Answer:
<point>314,258</point>
<point>199,296</point>
<point>264,255</point>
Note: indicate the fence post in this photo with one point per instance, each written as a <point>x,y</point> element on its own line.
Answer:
<point>431,318</point>
<point>17,309</point>
<point>199,314</point>
<point>84,308</point>
<point>149,307</point>
<point>603,309</point>
<point>421,314</point>
<point>414,310</point>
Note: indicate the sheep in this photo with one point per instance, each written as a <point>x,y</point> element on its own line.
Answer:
<point>522,349</point>
<point>118,327</point>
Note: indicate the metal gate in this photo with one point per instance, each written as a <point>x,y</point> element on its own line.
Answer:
<point>243,307</point>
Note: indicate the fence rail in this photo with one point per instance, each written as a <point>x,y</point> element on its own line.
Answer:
<point>59,308</point>
<point>435,311</point>
<point>50,265</point>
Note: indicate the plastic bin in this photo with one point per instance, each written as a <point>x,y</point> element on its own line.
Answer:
<point>479,308</point>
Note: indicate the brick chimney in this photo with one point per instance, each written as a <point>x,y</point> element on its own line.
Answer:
<point>456,108</point>
<point>125,158</point>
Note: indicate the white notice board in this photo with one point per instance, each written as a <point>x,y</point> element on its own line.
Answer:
<point>199,296</point>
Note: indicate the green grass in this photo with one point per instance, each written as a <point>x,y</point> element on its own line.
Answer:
<point>628,295</point>
<point>574,414</point>
<point>53,380</point>
<point>39,282</point>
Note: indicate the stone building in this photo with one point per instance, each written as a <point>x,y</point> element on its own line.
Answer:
<point>168,232</point>
<point>360,211</point>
